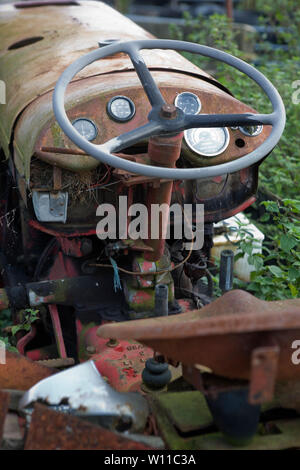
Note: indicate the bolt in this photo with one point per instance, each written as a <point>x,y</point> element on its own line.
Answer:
<point>91,349</point>
<point>112,343</point>
<point>168,111</point>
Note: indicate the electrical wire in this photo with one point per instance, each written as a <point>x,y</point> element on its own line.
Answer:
<point>147,273</point>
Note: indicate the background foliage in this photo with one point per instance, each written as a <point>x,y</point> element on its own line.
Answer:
<point>277,274</point>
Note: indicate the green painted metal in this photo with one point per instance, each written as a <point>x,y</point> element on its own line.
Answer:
<point>187,411</point>
<point>180,415</point>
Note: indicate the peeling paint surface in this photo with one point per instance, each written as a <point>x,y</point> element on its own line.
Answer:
<point>68,32</point>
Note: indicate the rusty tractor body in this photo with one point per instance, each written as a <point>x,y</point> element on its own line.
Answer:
<point>54,260</point>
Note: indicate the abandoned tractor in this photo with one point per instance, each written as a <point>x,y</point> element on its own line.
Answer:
<point>118,156</point>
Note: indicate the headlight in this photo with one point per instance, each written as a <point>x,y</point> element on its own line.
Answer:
<point>208,142</point>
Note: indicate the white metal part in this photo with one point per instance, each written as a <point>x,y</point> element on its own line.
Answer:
<point>229,241</point>
<point>50,206</point>
<point>87,394</point>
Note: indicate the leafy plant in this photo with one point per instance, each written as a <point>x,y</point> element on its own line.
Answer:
<point>7,343</point>
<point>29,316</point>
<point>279,172</point>
<point>277,268</point>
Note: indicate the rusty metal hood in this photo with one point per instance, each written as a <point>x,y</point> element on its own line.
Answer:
<point>63,33</point>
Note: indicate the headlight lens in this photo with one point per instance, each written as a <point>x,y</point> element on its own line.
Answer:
<point>208,142</point>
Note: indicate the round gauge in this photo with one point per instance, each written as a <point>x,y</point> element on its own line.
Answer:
<point>208,142</point>
<point>251,131</point>
<point>188,102</point>
<point>86,128</point>
<point>121,108</point>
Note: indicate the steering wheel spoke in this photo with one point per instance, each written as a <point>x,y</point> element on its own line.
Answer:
<point>230,120</point>
<point>151,89</point>
<point>130,138</point>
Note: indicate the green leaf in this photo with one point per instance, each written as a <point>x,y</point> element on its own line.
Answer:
<point>294,290</point>
<point>287,243</point>
<point>293,273</point>
<point>15,329</point>
<point>275,270</point>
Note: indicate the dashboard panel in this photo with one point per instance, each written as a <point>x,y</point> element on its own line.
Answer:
<point>132,108</point>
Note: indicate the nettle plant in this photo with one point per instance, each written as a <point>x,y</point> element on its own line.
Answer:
<point>280,64</point>
<point>8,333</point>
<point>277,269</point>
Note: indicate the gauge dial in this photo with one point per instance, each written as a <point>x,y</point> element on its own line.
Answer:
<point>121,108</point>
<point>188,102</point>
<point>86,128</point>
<point>251,131</point>
<point>208,142</point>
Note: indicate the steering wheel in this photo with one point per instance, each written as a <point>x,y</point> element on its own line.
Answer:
<point>158,124</point>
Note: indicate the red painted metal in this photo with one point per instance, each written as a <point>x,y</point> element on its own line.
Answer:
<point>42,354</point>
<point>221,335</point>
<point>162,151</point>
<point>72,247</point>
<point>229,9</point>
<point>121,362</point>
<point>60,233</point>
<point>23,342</point>
<point>57,330</point>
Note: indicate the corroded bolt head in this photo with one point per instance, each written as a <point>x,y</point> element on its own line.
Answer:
<point>168,111</point>
<point>112,343</point>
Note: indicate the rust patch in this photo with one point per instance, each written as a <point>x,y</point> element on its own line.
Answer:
<point>222,335</point>
<point>68,34</point>
<point>20,373</point>
<point>264,363</point>
<point>4,402</point>
<point>65,432</point>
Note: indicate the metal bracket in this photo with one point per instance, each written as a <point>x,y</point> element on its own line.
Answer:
<point>50,206</point>
<point>264,363</point>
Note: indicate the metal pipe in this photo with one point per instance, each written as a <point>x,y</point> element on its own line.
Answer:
<point>226,270</point>
<point>161,300</point>
<point>162,151</point>
<point>229,9</point>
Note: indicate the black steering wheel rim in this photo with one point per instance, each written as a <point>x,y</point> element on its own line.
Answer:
<point>158,125</point>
